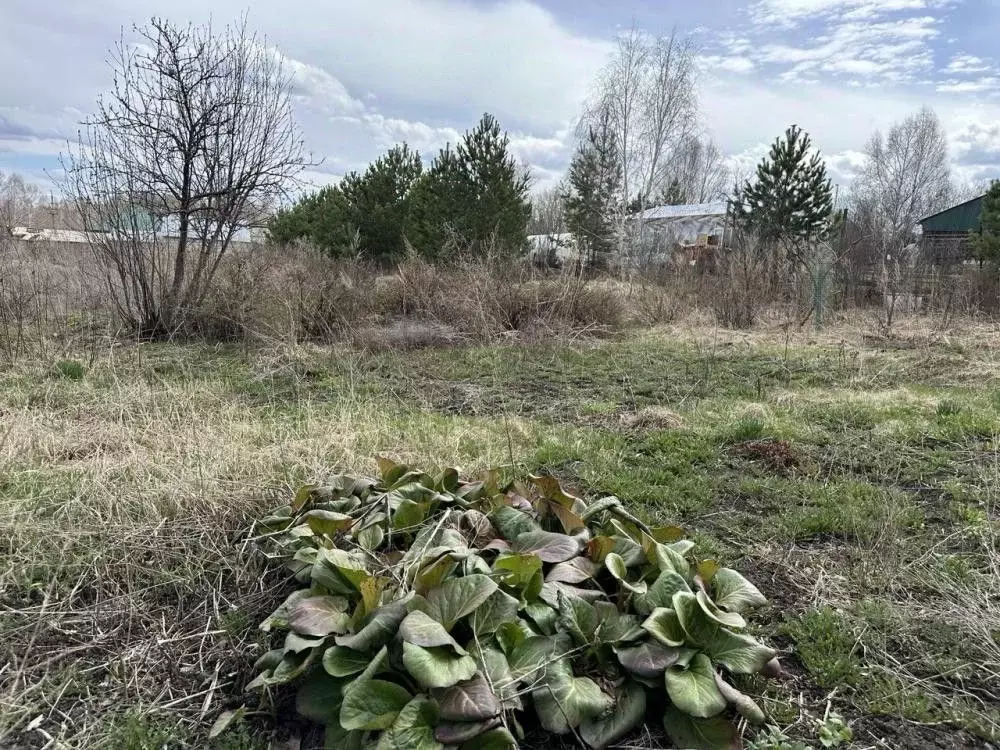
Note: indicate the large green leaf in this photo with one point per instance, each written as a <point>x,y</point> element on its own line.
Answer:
<point>339,661</point>
<point>564,701</point>
<point>471,700</point>
<point>693,690</point>
<point>389,470</point>
<point>319,698</point>
<point>327,522</point>
<point>278,620</point>
<point>649,659</point>
<point>700,734</point>
<point>409,515</point>
<point>511,523</point>
<point>413,728</point>
<point>379,630</point>
<point>433,569</point>
<point>578,618</point>
<point>577,570</point>
<point>739,654</point>
<point>548,546</point>
<point>744,704</point>
<point>661,592</point>
<point>458,597</point>
<point>320,616</point>
<point>372,704</point>
<point>296,644</point>
<point>510,635</point>
<point>371,537</point>
<point>734,592</point>
<point>338,572</point>
<point>600,547</point>
<point>551,591</point>
<point>544,618</point>
<point>493,665</point>
<point>698,626</point>
<point>668,558</point>
<point>619,571</point>
<point>664,625</point>
<point>522,573</point>
<point>495,611</point>
<point>496,739</point>
<point>628,549</point>
<point>420,629</point>
<point>459,732</point>
<point>615,627</point>
<point>729,619</point>
<point>530,660</point>
<point>433,540</point>
<point>437,666</point>
<point>628,714</point>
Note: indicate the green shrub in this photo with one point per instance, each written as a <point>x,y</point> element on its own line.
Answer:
<point>69,369</point>
<point>437,612</point>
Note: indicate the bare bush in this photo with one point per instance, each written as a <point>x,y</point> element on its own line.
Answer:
<point>742,283</point>
<point>48,292</point>
<point>195,142</point>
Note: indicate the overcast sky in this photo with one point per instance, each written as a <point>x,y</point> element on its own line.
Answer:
<point>370,73</point>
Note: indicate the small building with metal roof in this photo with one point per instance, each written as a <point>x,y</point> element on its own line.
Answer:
<point>945,235</point>
<point>686,233</point>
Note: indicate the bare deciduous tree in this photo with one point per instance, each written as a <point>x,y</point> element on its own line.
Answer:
<point>547,211</point>
<point>695,173</point>
<point>647,93</point>
<point>906,177</point>
<point>18,202</point>
<point>194,142</point>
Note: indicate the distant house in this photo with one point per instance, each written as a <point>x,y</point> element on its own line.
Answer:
<point>70,236</point>
<point>945,235</point>
<point>680,233</point>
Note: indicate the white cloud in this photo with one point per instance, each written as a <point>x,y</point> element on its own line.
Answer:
<point>892,50</point>
<point>967,64</point>
<point>792,12</point>
<point>739,64</point>
<point>314,87</point>
<point>427,139</point>
<point>988,83</point>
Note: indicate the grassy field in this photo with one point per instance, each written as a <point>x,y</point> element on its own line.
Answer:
<point>854,484</point>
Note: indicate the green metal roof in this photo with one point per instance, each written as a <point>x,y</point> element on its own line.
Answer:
<point>961,218</point>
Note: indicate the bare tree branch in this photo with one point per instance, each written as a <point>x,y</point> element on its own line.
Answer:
<point>194,141</point>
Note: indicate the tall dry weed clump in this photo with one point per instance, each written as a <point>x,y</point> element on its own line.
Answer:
<point>48,292</point>
<point>742,285</point>
<point>483,299</point>
<point>296,294</point>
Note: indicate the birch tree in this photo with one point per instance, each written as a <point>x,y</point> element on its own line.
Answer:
<point>905,178</point>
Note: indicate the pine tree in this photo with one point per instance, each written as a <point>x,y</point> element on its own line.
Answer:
<point>986,241</point>
<point>792,197</point>
<point>365,214</point>
<point>439,205</point>
<point>323,218</point>
<point>595,178</point>
<point>497,197</point>
<point>475,196</point>
<point>379,202</point>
